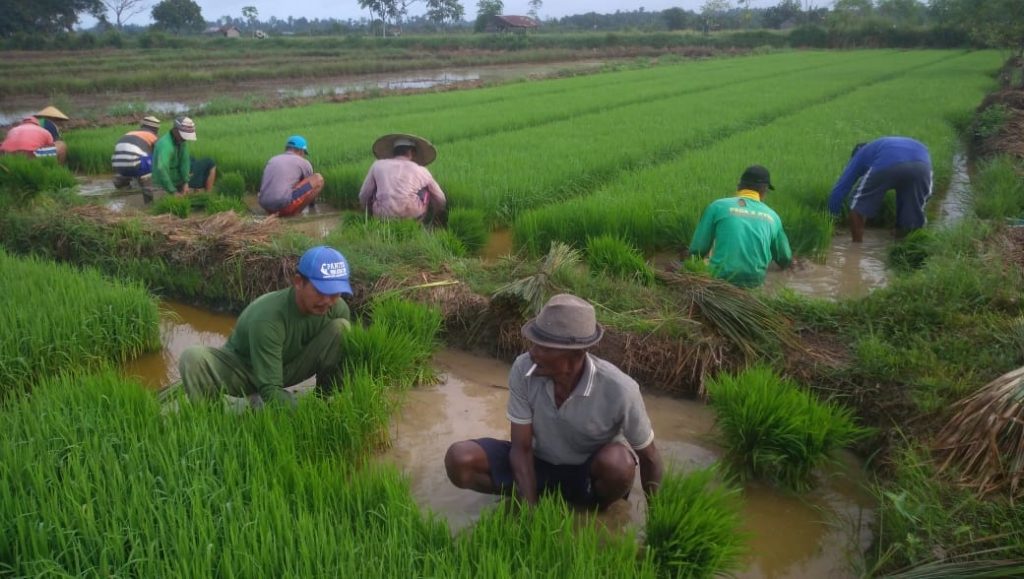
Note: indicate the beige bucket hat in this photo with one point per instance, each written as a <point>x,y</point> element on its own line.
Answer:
<point>383,148</point>
<point>52,112</point>
<point>566,322</point>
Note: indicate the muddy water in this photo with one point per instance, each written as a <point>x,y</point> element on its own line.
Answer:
<point>850,270</point>
<point>169,100</point>
<point>499,245</point>
<point>813,536</point>
<point>957,202</point>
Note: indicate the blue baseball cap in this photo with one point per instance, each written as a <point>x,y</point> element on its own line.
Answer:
<point>327,269</point>
<point>297,142</point>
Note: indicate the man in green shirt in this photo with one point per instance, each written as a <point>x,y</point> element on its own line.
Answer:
<point>171,161</point>
<point>746,234</point>
<point>281,338</point>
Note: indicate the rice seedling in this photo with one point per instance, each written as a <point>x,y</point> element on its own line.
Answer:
<point>22,178</point>
<point>398,343</point>
<point>617,257</point>
<point>531,292</point>
<point>693,526</point>
<point>57,318</point>
<point>912,251</point>
<point>776,432</point>
<point>178,205</point>
<point>216,203</point>
<point>753,328</point>
<point>469,226</point>
<point>231,184</point>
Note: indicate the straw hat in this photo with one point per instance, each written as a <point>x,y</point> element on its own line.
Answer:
<point>566,322</point>
<point>52,112</point>
<point>383,148</point>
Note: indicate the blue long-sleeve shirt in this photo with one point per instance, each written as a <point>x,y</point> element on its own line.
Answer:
<point>875,156</point>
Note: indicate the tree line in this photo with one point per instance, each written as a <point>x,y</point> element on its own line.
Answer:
<point>998,23</point>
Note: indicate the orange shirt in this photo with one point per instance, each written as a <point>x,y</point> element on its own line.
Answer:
<point>26,137</point>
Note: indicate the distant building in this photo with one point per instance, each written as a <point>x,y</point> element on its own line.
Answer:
<point>506,23</point>
<point>225,31</point>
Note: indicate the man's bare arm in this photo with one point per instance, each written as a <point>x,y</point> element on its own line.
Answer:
<point>521,458</point>
<point>651,468</point>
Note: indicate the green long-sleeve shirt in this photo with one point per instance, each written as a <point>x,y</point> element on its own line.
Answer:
<point>746,235</point>
<point>171,163</point>
<point>272,331</point>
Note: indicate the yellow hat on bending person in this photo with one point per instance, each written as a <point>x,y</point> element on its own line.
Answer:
<point>52,112</point>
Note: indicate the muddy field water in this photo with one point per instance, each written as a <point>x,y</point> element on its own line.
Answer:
<point>171,100</point>
<point>814,535</point>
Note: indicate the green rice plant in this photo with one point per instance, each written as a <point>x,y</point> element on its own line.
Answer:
<point>776,432</point>
<point>911,252</point>
<point>451,243</point>
<point>231,184</point>
<point>397,344</point>
<point>217,203</point>
<point>57,318</point>
<point>998,189</point>
<point>693,526</point>
<point>617,257</point>
<point>178,205</point>
<point>696,265</point>
<point>22,178</point>
<point>470,226</point>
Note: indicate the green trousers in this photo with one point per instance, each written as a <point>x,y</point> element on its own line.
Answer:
<point>210,372</point>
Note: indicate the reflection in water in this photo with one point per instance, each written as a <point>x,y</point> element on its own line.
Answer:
<point>850,270</point>
<point>790,536</point>
<point>181,326</point>
<point>499,244</point>
<point>812,535</point>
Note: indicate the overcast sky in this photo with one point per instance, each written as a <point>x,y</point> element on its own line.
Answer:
<point>345,9</point>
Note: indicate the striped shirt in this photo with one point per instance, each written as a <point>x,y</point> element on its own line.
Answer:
<point>133,146</point>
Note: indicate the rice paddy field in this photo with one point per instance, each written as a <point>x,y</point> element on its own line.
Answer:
<point>636,154</point>
<point>586,178</point>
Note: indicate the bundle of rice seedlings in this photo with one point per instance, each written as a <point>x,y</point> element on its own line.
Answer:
<point>693,526</point>
<point>775,431</point>
<point>617,257</point>
<point>177,205</point>
<point>911,253</point>
<point>739,316</point>
<point>397,345</point>
<point>984,442</point>
<point>470,226</point>
<point>217,203</point>
<point>533,291</point>
<point>231,184</point>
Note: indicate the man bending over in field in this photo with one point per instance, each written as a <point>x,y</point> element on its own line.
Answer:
<point>898,163</point>
<point>289,183</point>
<point>399,185</point>
<point>133,156</point>
<point>579,426</point>
<point>281,338</point>
<point>174,170</point>
<point>745,233</point>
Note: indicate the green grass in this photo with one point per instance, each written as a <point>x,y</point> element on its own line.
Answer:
<point>57,318</point>
<point>693,526</point>
<point>617,257</point>
<point>999,189</point>
<point>775,431</point>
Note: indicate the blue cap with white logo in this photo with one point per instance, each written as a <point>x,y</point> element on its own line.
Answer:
<point>327,269</point>
<point>297,142</point>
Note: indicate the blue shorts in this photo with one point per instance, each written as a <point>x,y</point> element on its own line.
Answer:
<point>50,151</point>
<point>571,480</point>
<point>145,167</point>
<point>913,185</point>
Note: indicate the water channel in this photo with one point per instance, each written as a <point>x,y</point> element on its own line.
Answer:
<point>814,535</point>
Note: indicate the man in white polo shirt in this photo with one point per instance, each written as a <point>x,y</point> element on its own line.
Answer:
<point>579,425</point>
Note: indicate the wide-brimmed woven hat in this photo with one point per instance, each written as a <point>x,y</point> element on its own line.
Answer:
<point>52,112</point>
<point>566,322</point>
<point>384,147</point>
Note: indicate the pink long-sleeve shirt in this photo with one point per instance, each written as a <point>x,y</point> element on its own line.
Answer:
<point>399,187</point>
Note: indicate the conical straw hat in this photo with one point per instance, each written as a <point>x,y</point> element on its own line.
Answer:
<point>52,112</point>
